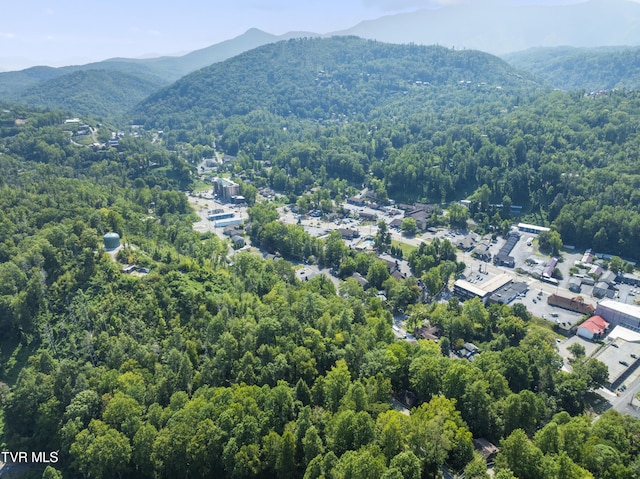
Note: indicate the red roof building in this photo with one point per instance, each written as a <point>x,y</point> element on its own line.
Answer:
<point>593,328</point>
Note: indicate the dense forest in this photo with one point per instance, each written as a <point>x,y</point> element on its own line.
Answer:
<point>214,366</point>
<point>206,369</point>
<point>418,123</point>
<point>590,69</point>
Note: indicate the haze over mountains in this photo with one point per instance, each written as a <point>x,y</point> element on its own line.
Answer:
<point>493,29</point>
<point>500,29</point>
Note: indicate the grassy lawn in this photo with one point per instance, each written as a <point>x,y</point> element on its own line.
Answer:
<point>405,247</point>
<point>543,324</point>
<point>200,186</point>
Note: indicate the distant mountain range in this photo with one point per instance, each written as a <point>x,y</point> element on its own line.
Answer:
<point>500,29</point>
<point>494,29</point>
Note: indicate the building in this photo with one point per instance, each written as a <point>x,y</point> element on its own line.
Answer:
<point>609,277</point>
<point>227,222</point>
<point>482,251</point>
<point>465,290</point>
<point>593,328</point>
<point>368,216</point>
<point>356,201</point>
<point>428,332</point>
<point>238,241</point>
<point>576,304</point>
<point>503,257</point>
<point>575,284</point>
<point>348,233</point>
<point>527,228</point>
<point>547,272</point>
<point>361,279</point>
<point>619,314</point>
<point>602,290</point>
<point>630,279</point>
<point>488,450</point>
<point>507,293</point>
<point>468,242</point>
<point>225,188</point>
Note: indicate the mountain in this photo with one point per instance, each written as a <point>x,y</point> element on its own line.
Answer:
<point>591,69</point>
<point>92,93</point>
<point>167,69</point>
<point>111,87</point>
<point>322,78</point>
<point>503,29</point>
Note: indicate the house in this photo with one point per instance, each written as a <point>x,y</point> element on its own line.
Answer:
<point>593,328</point>
<point>238,241</point>
<point>602,290</point>
<point>348,233</point>
<point>421,218</point>
<point>354,200</point>
<point>398,275</point>
<point>482,251</point>
<point>468,350</point>
<point>595,270</point>
<point>548,270</point>
<point>486,449</point>
<point>575,284</point>
<point>361,279</point>
<point>428,332</point>
<point>468,242</point>
<point>368,216</point>
<point>396,223</point>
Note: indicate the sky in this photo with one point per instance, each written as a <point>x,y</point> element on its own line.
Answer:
<point>65,32</point>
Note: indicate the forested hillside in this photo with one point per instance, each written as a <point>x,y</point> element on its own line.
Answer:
<point>205,369</point>
<point>100,94</point>
<point>420,123</point>
<point>591,69</point>
<point>323,79</point>
<point>206,365</point>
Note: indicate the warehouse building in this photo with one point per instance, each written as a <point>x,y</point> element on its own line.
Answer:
<point>619,314</point>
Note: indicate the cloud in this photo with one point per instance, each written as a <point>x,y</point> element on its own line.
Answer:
<point>7,35</point>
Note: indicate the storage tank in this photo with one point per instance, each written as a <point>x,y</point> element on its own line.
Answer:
<point>111,241</point>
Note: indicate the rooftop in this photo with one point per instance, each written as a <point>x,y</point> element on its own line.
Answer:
<point>596,325</point>
<point>630,309</point>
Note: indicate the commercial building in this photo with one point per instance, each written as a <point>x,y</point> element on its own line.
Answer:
<point>576,304</point>
<point>503,257</point>
<point>225,189</point>
<point>465,290</point>
<point>507,293</point>
<point>527,228</point>
<point>619,314</point>
<point>499,289</point>
<point>593,328</point>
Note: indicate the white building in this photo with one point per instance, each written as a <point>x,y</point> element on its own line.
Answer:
<point>616,313</point>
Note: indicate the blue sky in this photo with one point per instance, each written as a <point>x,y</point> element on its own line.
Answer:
<point>42,32</point>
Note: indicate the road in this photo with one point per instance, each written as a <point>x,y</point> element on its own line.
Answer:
<point>625,402</point>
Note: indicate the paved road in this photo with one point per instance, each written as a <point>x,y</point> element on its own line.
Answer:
<point>625,402</point>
